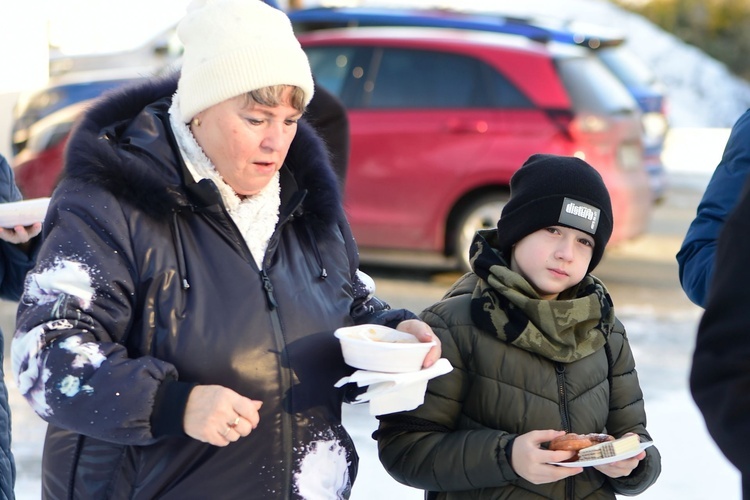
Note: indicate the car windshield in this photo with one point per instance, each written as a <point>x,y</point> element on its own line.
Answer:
<point>627,66</point>
<point>593,88</point>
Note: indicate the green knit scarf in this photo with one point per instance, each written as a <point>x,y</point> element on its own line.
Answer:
<point>572,327</point>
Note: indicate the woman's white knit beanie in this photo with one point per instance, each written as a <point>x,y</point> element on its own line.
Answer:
<point>234,46</point>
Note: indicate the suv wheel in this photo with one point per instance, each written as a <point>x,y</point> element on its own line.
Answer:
<point>482,213</point>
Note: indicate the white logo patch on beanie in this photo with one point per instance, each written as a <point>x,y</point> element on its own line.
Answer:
<point>579,215</point>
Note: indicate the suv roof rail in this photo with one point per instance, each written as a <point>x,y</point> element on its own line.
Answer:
<point>540,30</point>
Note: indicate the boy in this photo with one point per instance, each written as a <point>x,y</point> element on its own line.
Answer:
<point>537,352</point>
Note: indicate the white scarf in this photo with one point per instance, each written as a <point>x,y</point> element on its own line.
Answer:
<point>256,216</point>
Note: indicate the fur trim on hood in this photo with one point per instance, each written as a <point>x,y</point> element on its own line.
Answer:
<point>124,143</point>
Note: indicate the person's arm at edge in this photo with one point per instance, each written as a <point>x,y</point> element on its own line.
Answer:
<point>695,258</point>
<point>720,374</point>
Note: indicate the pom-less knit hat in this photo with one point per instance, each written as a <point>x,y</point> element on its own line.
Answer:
<point>232,47</point>
<point>550,190</point>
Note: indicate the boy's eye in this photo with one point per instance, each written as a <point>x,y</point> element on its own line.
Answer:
<point>586,242</point>
<point>290,122</point>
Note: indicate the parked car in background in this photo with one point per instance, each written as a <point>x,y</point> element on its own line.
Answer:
<point>59,93</point>
<point>441,119</point>
<point>607,44</point>
<point>146,58</point>
<point>38,165</point>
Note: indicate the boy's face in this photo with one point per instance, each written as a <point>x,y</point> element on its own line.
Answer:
<point>553,259</point>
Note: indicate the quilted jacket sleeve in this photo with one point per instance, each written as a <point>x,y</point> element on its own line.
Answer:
<point>696,256</point>
<point>627,414</point>
<point>423,449</point>
<point>68,355</point>
<point>14,262</point>
<point>366,306</point>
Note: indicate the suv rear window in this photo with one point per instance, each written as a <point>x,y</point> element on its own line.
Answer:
<point>593,88</point>
<point>627,66</point>
<point>392,78</point>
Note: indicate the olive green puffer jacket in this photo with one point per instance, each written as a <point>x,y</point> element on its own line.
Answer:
<point>504,384</point>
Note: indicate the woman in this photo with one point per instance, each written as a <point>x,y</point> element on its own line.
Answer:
<point>177,330</point>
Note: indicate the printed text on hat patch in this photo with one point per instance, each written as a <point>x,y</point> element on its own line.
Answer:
<point>579,215</point>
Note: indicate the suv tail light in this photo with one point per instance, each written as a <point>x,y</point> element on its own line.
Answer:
<point>592,124</point>
<point>563,120</point>
<point>655,127</point>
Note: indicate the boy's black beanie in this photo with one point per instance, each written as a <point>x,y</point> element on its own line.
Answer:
<point>551,190</point>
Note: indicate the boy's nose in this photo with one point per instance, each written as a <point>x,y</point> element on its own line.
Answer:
<point>564,250</point>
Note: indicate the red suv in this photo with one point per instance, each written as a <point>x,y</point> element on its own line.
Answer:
<point>440,120</point>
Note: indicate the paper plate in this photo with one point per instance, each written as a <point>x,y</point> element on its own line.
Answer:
<point>603,461</point>
<point>23,213</point>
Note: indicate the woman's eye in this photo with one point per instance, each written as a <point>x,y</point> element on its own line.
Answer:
<point>254,121</point>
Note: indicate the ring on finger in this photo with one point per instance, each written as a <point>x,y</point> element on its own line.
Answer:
<point>224,434</point>
<point>234,424</point>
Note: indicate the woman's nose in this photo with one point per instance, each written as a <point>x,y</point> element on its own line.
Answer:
<point>273,136</point>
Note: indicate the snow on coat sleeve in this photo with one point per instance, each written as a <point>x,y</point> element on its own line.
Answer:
<point>78,304</point>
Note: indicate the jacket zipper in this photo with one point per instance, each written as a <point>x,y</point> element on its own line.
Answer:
<point>565,418</point>
<point>181,264</point>
<point>286,374</point>
<point>286,380</point>
<point>268,287</point>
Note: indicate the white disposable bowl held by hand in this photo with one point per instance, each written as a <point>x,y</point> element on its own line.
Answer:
<point>382,349</point>
<point>23,213</point>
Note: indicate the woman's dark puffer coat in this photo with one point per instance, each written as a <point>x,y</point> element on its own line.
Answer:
<point>144,288</point>
<point>458,441</point>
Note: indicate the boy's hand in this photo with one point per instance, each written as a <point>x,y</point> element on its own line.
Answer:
<point>622,467</point>
<point>424,333</point>
<point>532,463</point>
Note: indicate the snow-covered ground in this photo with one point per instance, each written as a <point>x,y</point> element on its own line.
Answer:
<point>705,100</point>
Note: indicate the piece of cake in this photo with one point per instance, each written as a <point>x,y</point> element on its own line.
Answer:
<point>610,448</point>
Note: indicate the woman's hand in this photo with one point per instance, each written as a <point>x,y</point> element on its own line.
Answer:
<point>424,333</point>
<point>218,415</point>
<point>532,462</point>
<point>20,234</point>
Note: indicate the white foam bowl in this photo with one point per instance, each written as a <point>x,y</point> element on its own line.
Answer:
<point>382,349</point>
<point>23,213</point>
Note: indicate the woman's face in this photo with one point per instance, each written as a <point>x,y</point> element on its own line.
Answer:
<point>246,141</point>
